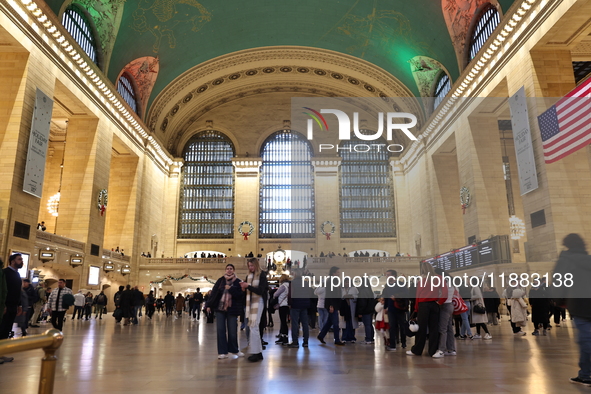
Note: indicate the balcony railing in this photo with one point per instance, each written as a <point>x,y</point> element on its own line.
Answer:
<point>53,239</point>
<point>160,261</point>
<point>108,254</point>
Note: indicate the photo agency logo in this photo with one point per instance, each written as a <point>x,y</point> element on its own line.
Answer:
<point>391,122</point>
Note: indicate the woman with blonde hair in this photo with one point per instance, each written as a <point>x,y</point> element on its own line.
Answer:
<point>282,299</point>
<point>255,285</point>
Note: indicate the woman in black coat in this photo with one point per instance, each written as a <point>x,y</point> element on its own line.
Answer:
<point>127,304</point>
<point>227,300</point>
<point>541,305</point>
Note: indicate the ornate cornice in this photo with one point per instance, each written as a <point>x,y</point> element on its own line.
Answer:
<point>287,69</point>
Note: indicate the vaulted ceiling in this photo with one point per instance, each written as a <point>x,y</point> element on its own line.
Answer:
<point>185,33</point>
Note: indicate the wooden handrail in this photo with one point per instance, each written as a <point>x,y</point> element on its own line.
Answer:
<point>49,341</point>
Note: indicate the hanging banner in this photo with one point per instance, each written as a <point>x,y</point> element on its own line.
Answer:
<point>524,150</point>
<point>38,143</point>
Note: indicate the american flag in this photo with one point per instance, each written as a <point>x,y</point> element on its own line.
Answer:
<point>566,126</point>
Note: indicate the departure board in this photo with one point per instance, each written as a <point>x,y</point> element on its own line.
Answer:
<point>494,250</point>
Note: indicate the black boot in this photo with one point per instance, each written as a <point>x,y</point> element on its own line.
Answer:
<point>256,357</point>
<point>282,340</point>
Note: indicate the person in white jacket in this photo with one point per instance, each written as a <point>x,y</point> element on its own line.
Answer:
<point>79,300</point>
<point>320,292</point>
<point>518,308</point>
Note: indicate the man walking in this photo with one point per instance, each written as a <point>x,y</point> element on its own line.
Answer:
<point>41,300</point>
<point>12,304</point>
<point>100,303</point>
<point>117,301</point>
<point>79,300</point>
<point>138,302</point>
<point>575,263</point>
<point>31,298</point>
<point>299,300</point>
<point>58,306</point>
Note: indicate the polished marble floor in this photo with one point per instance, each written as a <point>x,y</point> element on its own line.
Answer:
<point>179,356</point>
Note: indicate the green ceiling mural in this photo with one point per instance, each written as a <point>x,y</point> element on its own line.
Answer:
<point>185,33</point>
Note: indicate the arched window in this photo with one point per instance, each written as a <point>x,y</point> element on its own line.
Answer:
<point>79,27</point>
<point>487,22</point>
<point>367,198</point>
<point>126,90</point>
<point>287,187</point>
<point>441,89</point>
<point>207,187</point>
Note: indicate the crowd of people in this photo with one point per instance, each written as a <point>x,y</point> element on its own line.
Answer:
<point>435,315</point>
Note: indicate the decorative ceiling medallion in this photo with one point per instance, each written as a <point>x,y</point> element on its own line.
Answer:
<point>336,76</point>
<point>268,70</point>
<point>319,72</point>
<point>218,81</point>
<point>251,72</point>
<point>353,81</point>
<point>234,77</point>
<point>202,89</point>
<point>303,70</point>
<point>285,69</point>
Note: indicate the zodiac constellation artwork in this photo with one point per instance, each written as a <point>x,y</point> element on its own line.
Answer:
<point>162,18</point>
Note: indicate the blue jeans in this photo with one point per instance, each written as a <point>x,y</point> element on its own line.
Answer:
<point>227,328</point>
<point>322,317</point>
<point>465,329</point>
<point>297,316</point>
<point>136,309</point>
<point>366,319</point>
<point>331,321</point>
<point>584,341</point>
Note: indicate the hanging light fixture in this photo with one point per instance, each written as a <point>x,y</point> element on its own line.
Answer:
<point>517,227</point>
<point>53,204</point>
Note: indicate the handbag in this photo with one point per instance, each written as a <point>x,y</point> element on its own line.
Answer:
<point>458,303</point>
<point>479,308</point>
<point>118,313</point>
<point>273,304</point>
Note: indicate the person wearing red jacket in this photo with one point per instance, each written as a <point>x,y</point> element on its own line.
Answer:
<point>431,292</point>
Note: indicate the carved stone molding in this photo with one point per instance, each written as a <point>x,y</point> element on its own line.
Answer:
<point>263,70</point>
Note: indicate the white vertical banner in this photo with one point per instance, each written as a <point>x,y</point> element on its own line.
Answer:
<point>38,143</point>
<point>524,150</point>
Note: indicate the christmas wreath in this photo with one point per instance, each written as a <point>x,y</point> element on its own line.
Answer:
<point>465,198</point>
<point>103,199</point>
<point>244,233</point>
<point>327,234</point>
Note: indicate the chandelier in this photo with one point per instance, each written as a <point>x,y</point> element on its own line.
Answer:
<point>517,227</point>
<point>53,204</point>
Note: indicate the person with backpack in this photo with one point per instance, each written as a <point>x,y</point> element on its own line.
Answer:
<point>195,305</point>
<point>100,302</point>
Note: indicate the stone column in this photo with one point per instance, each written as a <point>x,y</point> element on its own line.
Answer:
<point>246,204</point>
<point>327,200</point>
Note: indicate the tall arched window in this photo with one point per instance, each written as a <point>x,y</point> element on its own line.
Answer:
<point>207,187</point>
<point>488,20</point>
<point>441,89</point>
<point>79,27</point>
<point>287,187</point>
<point>127,91</point>
<point>367,198</point>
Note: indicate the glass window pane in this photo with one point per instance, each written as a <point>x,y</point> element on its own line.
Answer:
<point>286,187</point>
<point>126,90</point>
<point>207,188</point>
<point>367,199</point>
<point>79,28</point>
<point>487,23</point>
